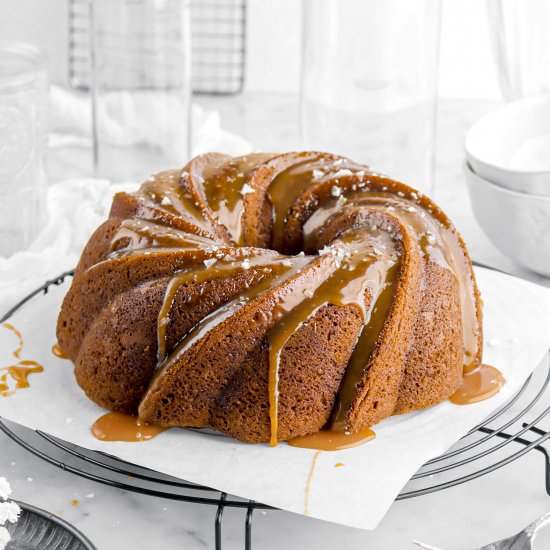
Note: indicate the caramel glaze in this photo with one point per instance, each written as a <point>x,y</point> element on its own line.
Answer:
<point>139,234</point>
<point>361,268</point>
<point>278,273</point>
<point>19,374</point>
<point>309,480</point>
<point>295,180</point>
<point>477,385</point>
<point>438,243</point>
<point>219,268</point>
<point>115,426</point>
<point>17,352</point>
<point>58,352</point>
<point>332,440</point>
<point>223,186</point>
<point>16,377</point>
<point>169,191</point>
<point>365,260</point>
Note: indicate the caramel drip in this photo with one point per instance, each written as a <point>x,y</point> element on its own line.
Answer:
<point>309,480</point>
<point>291,183</point>
<point>19,374</point>
<point>200,274</point>
<point>361,355</point>
<point>142,234</point>
<point>115,426</point>
<point>280,272</point>
<point>331,440</point>
<point>17,352</point>
<point>437,241</point>
<point>58,351</point>
<point>359,269</point>
<point>224,190</point>
<point>477,385</point>
<point>168,191</point>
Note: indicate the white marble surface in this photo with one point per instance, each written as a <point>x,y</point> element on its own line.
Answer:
<point>463,517</point>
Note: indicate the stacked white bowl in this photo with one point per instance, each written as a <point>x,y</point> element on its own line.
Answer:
<point>508,173</point>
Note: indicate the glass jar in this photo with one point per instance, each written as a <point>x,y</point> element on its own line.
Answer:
<point>23,145</point>
<point>141,88</point>
<point>369,83</point>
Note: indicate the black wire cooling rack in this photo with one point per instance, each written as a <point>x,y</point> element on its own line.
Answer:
<point>506,435</point>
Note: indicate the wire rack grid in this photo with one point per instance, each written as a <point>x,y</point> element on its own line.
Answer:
<point>218,45</point>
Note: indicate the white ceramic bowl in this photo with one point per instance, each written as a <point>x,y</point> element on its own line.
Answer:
<point>516,223</point>
<point>511,146</point>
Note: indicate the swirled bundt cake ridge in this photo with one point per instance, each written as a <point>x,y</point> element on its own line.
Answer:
<point>269,296</point>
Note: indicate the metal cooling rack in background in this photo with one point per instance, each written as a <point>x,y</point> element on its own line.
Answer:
<point>506,435</point>
<point>218,43</point>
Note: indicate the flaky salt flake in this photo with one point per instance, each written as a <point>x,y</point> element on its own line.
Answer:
<point>338,162</point>
<point>430,237</point>
<point>342,172</point>
<point>335,191</point>
<point>245,189</point>
<point>30,479</point>
<point>5,489</point>
<point>308,293</point>
<point>245,264</point>
<point>165,201</point>
<point>414,196</point>
<point>302,253</point>
<point>360,174</point>
<point>390,209</point>
<point>210,262</point>
<point>325,250</point>
<point>286,262</point>
<point>410,209</point>
<point>341,200</point>
<point>90,495</point>
<point>317,174</point>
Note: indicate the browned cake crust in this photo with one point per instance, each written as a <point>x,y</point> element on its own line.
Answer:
<point>194,305</point>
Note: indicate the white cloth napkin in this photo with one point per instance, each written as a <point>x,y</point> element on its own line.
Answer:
<point>75,209</point>
<point>72,121</point>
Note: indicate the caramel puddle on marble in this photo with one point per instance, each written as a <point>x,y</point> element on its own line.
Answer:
<point>58,351</point>
<point>19,373</point>
<point>329,440</point>
<point>115,426</point>
<point>17,352</point>
<point>309,479</point>
<point>477,385</point>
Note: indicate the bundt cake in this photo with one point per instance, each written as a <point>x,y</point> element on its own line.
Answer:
<point>271,296</point>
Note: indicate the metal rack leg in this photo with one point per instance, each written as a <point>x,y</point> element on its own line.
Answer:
<point>218,523</point>
<point>538,431</point>
<point>248,529</point>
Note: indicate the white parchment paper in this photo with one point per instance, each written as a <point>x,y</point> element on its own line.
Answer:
<point>358,494</point>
